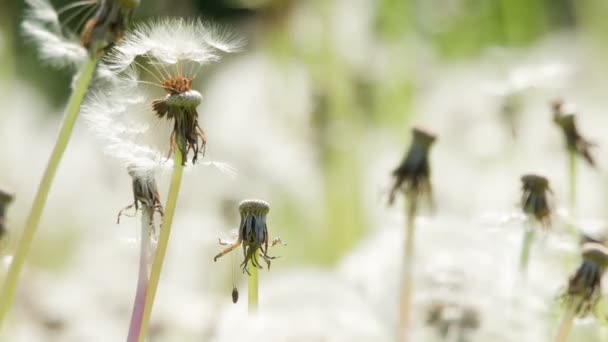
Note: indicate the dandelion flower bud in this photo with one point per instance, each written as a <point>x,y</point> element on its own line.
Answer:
<point>412,176</point>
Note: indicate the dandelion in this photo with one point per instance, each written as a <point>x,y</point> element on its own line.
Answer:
<point>584,287</point>
<point>5,199</point>
<point>576,144</point>
<point>253,236</point>
<point>535,204</point>
<point>453,321</point>
<point>412,177</point>
<point>150,99</point>
<point>107,20</point>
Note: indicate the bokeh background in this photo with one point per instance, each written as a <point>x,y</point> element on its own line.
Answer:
<point>314,114</point>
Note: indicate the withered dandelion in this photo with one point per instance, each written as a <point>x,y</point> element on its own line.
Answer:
<point>412,178</point>
<point>584,287</point>
<point>535,204</point>
<point>253,236</point>
<point>146,198</point>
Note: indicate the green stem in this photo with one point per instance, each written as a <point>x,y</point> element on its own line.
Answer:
<point>163,240</point>
<point>526,245</point>
<point>253,290</point>
<point>71,113</point>
<point>407,275</point>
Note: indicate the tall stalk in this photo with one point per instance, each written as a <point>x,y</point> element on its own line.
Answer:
<point>163,240</point>
<point>526,245</point>
<point>566,323</point>
<point>252,299</point>
<point>147,223</point>
<point>71,114</point>
<point>572,183</point>
<point>407,274</point>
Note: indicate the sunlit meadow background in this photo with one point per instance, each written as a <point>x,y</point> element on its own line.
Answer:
<point>314,114</point>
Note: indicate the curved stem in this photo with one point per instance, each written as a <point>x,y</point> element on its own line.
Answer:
<point>253,290</point>
<point>163,240</point>
<point>147,223</point>
<point>71,113</point>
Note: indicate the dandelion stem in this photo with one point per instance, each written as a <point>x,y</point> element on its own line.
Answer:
<point>526,245</point>
<point>71,113</point>
<point>147,223</point>
<point>407,272</point>
<point>253,291</point>
<point>572,175</point>
<point>163,240</point>
<point>566,323</point>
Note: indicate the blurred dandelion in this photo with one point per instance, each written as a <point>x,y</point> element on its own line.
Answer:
<point>576,144</point>
<point>107,20</point>
<point>535,204</point>
<point>253,236</point>
<point>412,177</point>
<point>5,199</point>
<point>453,321</point>
<point>584,287</point>
<point>100,23</point>
<point>153,69</point>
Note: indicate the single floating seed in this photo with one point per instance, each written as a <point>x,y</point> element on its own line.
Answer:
<point>235,295</point>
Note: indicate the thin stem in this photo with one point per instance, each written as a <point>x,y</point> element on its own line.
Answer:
<point>526,245</point>
<point>71,113</point>
<point>147,222</point>
<point>163,240</point>
<point>566,324</point>
<point>407,275</point>
<point>253,290</point>
<point>572,175</point>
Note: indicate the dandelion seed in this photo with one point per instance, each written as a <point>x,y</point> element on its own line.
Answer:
<point>235,295</point>
<point>535,198</point>
<point>152,96</point>
<point>575,142</point>
<point>412,176</point>
<point>453,321</point>
<point>100,23</point>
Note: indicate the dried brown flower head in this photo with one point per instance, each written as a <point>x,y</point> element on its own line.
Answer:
<point>412,176</point>
<point>535,198</point>
<point>253,234</point>
<point>5,199</point>
<point>575,142</point>
<point>584,287</point>
<point>145,193</point>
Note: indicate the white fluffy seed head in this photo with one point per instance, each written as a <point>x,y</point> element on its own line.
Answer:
<point>41,25</point>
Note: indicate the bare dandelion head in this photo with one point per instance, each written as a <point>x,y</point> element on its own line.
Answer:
<point>584,286</point>
<point>99,23</point>
<point>412,176</point>
<point>145,192</point>
<point>575,142</point>
<point>535,198</point>
<point>253,234</point>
